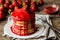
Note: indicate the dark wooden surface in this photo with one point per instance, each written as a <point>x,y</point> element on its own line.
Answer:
<point>47,2</point>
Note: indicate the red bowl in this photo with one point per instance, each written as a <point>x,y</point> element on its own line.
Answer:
<point>51,9</point>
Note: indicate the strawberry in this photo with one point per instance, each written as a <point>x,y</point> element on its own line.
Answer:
<point>41,2</point>
<point>14,3</point>
<point>6,5</point>
<point>11,6</point>
<point>1,8</point>
<point>8,1</point>
<point>1,1</point>
<point>33,7</point>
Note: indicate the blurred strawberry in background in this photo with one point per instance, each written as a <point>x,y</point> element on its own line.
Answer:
<point>33,7</point>
<point>8,6</point>
<point>14,3</point>
<point>1,8</point>
<point>11,6</point>
<point>2,1</point>
<point>2,15</point>
<point>41,2</point>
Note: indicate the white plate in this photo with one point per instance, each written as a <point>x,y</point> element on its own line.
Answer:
<point>7,30</point>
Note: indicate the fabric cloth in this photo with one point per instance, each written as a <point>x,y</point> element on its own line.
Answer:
<point>45,35</point>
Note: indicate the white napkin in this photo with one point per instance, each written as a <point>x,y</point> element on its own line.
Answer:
<point>51,32</point>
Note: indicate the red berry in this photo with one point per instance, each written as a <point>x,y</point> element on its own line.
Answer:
<point>6,5</point>
<point>33,9</point>
<point>1,8</point>
<point>41,2</point>
<point>1,1</point>
<point>11,6</point>
<point>14,3</point>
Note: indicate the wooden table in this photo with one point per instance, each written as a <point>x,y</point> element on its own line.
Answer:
<point>47,2</point>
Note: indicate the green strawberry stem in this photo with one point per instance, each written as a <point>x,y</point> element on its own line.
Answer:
<point>9,11</point>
